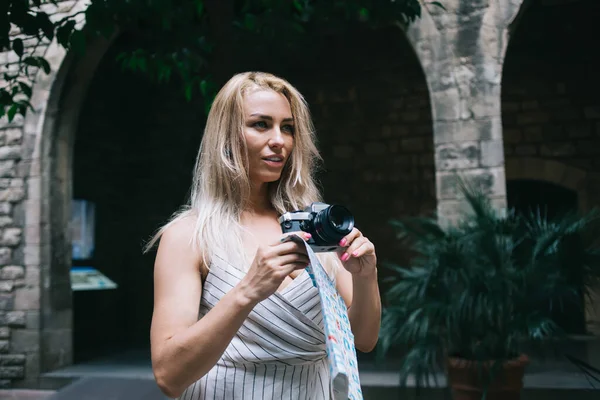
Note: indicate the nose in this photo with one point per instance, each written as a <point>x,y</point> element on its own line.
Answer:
<point>276,139</point>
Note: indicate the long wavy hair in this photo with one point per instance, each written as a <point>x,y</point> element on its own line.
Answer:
<point>221,182</point>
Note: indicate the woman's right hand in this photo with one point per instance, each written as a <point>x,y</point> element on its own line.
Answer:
<point>272,264</point>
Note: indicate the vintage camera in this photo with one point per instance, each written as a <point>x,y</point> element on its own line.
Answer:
<point>327,225</point>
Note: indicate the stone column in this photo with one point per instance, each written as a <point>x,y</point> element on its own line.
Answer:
<point>462,50</point>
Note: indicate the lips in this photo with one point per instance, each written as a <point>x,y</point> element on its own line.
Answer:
<point>274,158</point>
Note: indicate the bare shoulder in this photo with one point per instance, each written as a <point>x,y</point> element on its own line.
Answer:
<point>177,282</point>
<point>176,249</point>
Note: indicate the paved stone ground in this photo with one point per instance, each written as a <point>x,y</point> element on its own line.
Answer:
<point>25,394</point>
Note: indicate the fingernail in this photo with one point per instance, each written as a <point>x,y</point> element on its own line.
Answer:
<point>345,256</point>
<point>307,235</point>
<point>343,242</point>
<point>355,253</point>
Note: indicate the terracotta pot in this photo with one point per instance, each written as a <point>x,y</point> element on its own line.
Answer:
<point>466,383</point>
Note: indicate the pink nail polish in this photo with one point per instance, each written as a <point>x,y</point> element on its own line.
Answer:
<point>355,253</point>
<point>343,242</point>
<point>345,257</point>
<point>307,235</point>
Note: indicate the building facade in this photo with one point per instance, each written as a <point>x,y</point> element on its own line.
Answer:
<point>504,92</point>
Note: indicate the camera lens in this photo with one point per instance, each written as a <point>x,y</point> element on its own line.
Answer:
<point>333,223</point>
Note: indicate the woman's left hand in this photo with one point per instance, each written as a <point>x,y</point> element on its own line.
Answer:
<point>358,254</point>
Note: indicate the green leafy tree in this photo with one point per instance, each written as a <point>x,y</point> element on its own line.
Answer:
<point>183,39</point>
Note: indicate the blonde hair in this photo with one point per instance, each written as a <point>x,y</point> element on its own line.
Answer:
<point>221,182</point>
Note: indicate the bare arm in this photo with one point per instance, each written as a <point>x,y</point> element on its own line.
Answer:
<point>184,348</point>
<point>361,294</point>
<point>357,283</point>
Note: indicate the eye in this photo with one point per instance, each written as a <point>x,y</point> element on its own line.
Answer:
<point>288,128</point>
<point>260,125</point>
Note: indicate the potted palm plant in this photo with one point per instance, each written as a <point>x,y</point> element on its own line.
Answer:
<point>478,297</point>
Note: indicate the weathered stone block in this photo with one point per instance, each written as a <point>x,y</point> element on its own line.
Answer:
<point>25,341</point>
<point>12,272</point>
<point>468,130</point>
<point>5,208</point>
<point>12,359</point>
<point>5,220</point>
<point>4,346</point>
<point>459,155</point>
<point>7,301</point>
<point>446,105</point>
<point>5,255</point>
<point>13,136</point>
<point>27,298</point>
<point>12,372</point>
<point>15,319</point>
<point>10,152</point>
<point>12,195</point>
<point>11,237</point>
<point>4,332</point>
<point>7,169</point>
<point>492,153</point>
<point>490,181</point>
<point>7,286</point>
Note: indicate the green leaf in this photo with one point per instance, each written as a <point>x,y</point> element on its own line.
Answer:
<point>31,61</point>
<point>188,91</point>
<point>63,33</point>
<point>438,4</point>
<point>25,88</point>
<point>12,111</point>
<point>18,47</point>
<point>44,65</point>
<point>200,7</point>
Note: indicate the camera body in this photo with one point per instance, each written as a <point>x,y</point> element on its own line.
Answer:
<point>327,225</point>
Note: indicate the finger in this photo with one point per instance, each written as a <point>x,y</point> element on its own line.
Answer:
<point>349,238</point>
<point>294,267</point>
<point>291,236</point>
<point>289,247</point>
<point>293,258</point>
<point>365,248</point>
<point>358,242</point>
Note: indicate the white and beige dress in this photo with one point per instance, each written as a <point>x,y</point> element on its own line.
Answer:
<point>278,353</point>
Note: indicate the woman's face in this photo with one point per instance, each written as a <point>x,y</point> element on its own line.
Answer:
<point>269,134</point>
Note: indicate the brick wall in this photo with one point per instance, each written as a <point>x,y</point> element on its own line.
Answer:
<point>550,103</point>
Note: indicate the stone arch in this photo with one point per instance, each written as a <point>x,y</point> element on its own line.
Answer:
<point>48,137</point>
<point>550,171</point>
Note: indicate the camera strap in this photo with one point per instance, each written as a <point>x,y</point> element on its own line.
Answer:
<point>339,339</point>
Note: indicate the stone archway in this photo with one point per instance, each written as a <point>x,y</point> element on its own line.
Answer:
<point>550,171</point>
<point>48,137</point>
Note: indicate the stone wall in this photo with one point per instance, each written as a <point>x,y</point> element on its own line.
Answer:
<point>20,267</point>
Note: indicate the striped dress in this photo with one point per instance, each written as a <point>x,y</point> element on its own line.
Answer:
<point>278,353</point>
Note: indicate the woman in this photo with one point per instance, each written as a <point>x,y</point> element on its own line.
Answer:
<point>235,314</point>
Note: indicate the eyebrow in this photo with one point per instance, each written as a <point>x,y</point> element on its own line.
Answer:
<point>270,118</point>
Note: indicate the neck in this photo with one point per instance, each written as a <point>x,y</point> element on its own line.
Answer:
<point>259,202</point>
